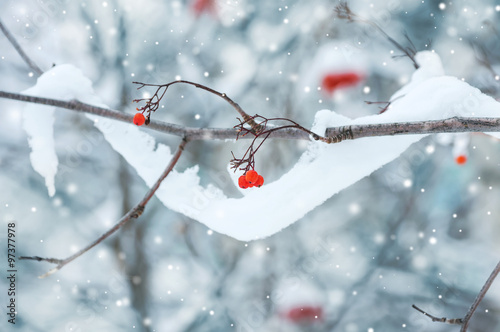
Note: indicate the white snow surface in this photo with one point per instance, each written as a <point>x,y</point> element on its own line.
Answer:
<point>39,126</point>
<point>322,171</point>
<point>38,121</point>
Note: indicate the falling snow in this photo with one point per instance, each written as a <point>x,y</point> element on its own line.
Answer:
<point>387,211</point>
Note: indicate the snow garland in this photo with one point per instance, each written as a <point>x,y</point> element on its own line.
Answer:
<point>322,171</point>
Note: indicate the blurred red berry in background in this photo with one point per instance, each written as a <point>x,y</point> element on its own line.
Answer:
<point>334,81</point>
<point>304,314</point>
<point>200,7</point>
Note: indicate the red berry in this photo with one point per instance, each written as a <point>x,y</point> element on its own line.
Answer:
<point>305,314</point>
<point>251,176</point>
<point>242,182</point>
<point>461,159</point>
<point>204,6</point>
<point>333,81</point>
<point>260,181</point>
<point>139,119</point>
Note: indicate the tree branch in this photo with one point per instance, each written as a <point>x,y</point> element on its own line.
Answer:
<point>336,134</point>
<point>152,103</point>
<point>479,297</point>
<point>465,321</point>
<point>19,50</point>
<point>134,213</point>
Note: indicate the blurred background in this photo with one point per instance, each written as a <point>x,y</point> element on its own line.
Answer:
<point>422,230</point>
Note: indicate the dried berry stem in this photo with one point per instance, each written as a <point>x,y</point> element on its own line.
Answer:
<point>152,103</point>
<point>343,11</point>
<point>248,160</point>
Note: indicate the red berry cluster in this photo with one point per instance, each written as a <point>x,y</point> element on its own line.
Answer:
<point>250,179</point>
<point>139,119</point>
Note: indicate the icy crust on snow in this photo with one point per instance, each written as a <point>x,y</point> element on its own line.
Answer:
<point>322,171</point>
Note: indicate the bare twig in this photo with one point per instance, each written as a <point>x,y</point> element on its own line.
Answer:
<point>343,11</point>
<point>465,321</point>
<point>265,129</point>
<point>457,321</point>
<point>336,134</point>
<point>152,103</point>
<point>134,213</point>
<point>480,297</point>
<point>19,50</point>
<point>482,57</point>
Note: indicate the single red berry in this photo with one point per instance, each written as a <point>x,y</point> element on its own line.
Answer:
<point>461,159</point>
<point>251,176</point>
<point>260,181</point>
<point>139,119</point>
<point>333,81</point>
<point>204,6</point>
<point>242,182</point>
<point>305,314</point>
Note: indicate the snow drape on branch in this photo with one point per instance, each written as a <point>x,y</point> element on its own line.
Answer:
<point>39,126</point>
<point>63,82</point>
<point>322,171</point>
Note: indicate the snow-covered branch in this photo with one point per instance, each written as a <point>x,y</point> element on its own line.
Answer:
<point>337,134</point>
<point>450,125</point>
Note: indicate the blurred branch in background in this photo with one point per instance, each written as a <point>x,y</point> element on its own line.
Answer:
<point>134,213</point>
<point>466,319</point>
<point>20,50</point>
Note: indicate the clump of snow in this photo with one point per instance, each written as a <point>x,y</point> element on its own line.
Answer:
<point>321,172</point>
<point>326,169</point>
<point>430,66</point>
<point>63,82</point>
<point>39,126</point>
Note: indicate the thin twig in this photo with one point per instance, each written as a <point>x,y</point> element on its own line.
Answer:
<point>19,50</point>
<point>480,297</point>
<point>152,103</point>
<point>457,321</point>
<point>482,57</point>
<point>343,11</point>
<point>465,321</point>
<point>134,213</point>
<point>337,134</point>
<point>247,162</point>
